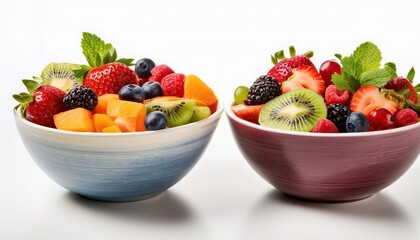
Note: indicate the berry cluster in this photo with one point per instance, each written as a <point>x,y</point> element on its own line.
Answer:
<point>369,97</point>
<point>108,96</point>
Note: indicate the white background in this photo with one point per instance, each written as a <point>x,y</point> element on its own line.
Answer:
<point>226,43</point>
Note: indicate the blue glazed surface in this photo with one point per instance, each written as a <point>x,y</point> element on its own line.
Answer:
<point>108,167</point>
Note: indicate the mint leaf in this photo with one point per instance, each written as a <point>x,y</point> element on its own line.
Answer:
<point>126,61</point>
<point>368,55</point>
<point>376,77</point>
<point>92,46</point>
<point>391,68</point>
<point>411,74</point>
<point>351,67</point>
<point>345,82</point>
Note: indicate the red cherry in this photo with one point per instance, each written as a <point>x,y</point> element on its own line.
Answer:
<point>380,119</point>
<point>327,69</point>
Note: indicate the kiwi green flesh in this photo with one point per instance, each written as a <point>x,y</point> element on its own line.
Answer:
<point>60,75</point>
<point>177,112</point>
<point>200,113</point>
<point>297,110</point>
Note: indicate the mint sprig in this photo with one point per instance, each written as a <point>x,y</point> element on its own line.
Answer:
<point>97,53</point>
<point>363,68</point>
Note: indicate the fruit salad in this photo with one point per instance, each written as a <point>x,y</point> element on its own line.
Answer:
<point>106,95</point>
<point>354,93</point>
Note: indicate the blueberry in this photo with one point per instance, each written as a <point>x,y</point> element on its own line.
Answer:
<point>131,92</point>
<point>155,121</point>
<point>144,67</point>
<point>357,122</point>
<point>152,89</point>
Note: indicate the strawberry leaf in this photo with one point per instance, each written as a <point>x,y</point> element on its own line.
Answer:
<point>81,72</point>
<point>126,61</point>
<point>31,85</point>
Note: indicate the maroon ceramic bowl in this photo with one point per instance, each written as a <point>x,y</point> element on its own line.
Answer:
<point>327,167</point>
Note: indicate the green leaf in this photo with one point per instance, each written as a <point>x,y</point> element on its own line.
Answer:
<point>114,55</point>
<point>391,69</point>
<point>31,85</point>
<point>274,60</point>
<point>23,97</point>
<point>92,45</point>
<point>368,55</point>
<point>81,72</point>
<point>411,74</point>
<point>351,67</point>
<point>292,51</point>
<point>340,82</point>
<point>126,61</point>
<point>376,77</point>
<point>339,56</point>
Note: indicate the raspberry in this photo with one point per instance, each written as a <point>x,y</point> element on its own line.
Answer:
<point>159,72</point>
<point>81,96</point>
<point>325,126</point>
<point>338,113</point>
<point>263,90</point>
<point>173,85</point>
<point>405,117</point>
<point>333,95</point>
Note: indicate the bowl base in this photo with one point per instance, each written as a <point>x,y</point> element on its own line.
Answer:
<point>325,200</point>
<point>118,200</point>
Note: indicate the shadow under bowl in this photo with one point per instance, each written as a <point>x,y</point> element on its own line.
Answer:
<point>327,167</point>
<point>117,167</point>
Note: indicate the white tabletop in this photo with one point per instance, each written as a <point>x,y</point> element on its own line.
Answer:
<point>226,43</point>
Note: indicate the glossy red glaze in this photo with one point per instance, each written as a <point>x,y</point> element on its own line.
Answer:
<point>328,167</point>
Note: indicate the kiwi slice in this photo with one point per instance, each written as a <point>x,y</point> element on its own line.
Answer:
<point>177,112</point>
<point>60,75</point>
<point>200,113</point>
<point>297,110</point>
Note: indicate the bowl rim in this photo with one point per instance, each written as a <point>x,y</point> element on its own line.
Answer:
<point>212,118</point>
<point>235,118</point>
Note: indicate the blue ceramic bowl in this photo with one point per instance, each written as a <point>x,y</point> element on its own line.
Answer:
<point>117,167</point>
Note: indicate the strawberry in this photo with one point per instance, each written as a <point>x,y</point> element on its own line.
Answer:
<point>41,103</point>
<point>325,126</point>
<point>109,78</point>
<point>284,66</point>
<point>368,98</point>
<point>159,72</point>
<point>105,74</point>
<point>304,77</point>
<point>402,85</point>
<point>333,95</point>
<point>173,85</point>
<point>249,113</point>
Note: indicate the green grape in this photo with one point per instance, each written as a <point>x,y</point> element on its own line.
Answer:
<point>241,94</point>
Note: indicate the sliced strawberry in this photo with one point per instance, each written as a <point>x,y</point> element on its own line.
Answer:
<point>304,77</point>
<point>399,84</point>
<point>249,113</point>
<point>368,98</point>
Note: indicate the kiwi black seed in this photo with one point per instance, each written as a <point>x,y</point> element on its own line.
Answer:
<point>178,112</point>
<point>60,75</point>
<point>296,110</point>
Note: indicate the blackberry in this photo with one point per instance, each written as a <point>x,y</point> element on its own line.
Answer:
<point>81,96</point>
<point>338,113</point>
<point>263,90</point>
